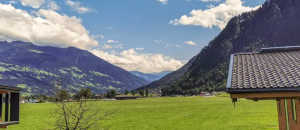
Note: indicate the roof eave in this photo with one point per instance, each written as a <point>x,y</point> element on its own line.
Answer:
<point>262,90</point>
<point>10,88</point>
<point>281,48</point>
<point>229,78</point>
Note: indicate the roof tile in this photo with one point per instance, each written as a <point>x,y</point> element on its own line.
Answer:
<point>269,69</point>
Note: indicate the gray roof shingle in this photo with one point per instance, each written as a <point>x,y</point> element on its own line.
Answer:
<point>267,70</point>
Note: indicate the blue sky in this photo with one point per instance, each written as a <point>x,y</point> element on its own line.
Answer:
<point>139,23</point>
<point>141,35</point>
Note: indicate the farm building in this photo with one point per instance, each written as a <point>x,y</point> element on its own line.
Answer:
<point>10,101</point>
<point>125,97</point>
<point>270,74</point>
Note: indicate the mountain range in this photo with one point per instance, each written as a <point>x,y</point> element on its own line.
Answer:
<point>275,23</point>
<point>150,77</point>
<point>44,69</point>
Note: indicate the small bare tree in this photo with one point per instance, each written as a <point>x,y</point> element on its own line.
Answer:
<point>79,115</point>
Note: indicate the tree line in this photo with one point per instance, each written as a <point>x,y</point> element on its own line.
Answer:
<point>85,93</point>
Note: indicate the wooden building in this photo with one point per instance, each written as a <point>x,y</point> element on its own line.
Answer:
<point>10,102</point>
<point>125,97</point>
<point>270,74</point>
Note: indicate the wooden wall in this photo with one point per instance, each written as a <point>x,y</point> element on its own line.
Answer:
<point>288,113</point>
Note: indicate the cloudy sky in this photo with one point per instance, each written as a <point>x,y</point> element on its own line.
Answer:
<point>137,35</point>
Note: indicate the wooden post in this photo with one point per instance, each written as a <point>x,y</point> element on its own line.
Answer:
<point>6,106</point>
<point>14,106</point>
<point>281,114</point>
<point>1,100</point>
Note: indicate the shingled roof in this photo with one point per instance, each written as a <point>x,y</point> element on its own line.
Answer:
<point>269,70</point>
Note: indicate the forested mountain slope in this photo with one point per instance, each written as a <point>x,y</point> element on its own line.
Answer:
<point>276,23</point>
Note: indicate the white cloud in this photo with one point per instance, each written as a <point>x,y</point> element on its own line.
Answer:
<point>190,43</point>
<point>131,60</point>
<point>112,41</point>
<point>77,6</point>
<point>106,46</point>
<point>216,16</point>
<point>163,1</point>
<point>53,6</point>
<point>45,27</point>
<point>33,3</point>
<point>112,44</point>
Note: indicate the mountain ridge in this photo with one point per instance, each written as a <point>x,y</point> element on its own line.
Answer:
<point>37,69</point>
<point>150,76</point>
<point>273,24</point>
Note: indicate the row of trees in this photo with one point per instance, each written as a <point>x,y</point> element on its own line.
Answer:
<point>176,90</point>
<point>141,92</point>
<point>85,93</point>
<point>62,95</point>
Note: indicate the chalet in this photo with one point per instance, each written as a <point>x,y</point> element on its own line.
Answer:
<point>10,102</point>
<point>270,74</point>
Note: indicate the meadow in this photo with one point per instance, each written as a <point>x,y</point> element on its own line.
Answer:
<point>166,113</point>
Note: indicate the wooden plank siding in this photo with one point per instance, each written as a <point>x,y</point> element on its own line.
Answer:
<point>287,117</point>
<point>281,114</point>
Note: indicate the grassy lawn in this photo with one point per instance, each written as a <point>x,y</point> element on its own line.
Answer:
<point>177,113</point>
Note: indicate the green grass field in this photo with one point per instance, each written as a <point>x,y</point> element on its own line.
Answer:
<point>172,113</point>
